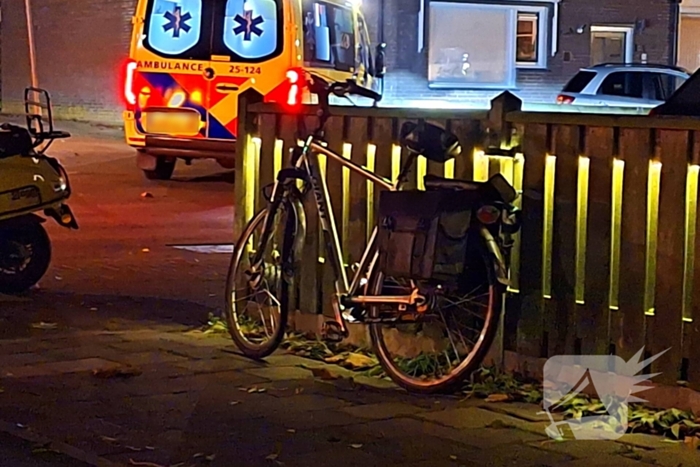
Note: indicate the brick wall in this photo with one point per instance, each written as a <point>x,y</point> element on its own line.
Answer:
<point>407,80</point>
<point>80,47</point>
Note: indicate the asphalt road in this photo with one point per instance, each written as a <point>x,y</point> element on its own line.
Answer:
<point>130,227</point>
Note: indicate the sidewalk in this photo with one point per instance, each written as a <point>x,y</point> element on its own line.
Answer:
<point>194,401</point>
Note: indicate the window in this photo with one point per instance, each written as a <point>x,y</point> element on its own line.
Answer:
<point>471,46</point>
<point>252,28</point>
<point>579,82</point>
<point>531,38</point>
<point>174,29</point>
<point>624,84</point>
<point>329,36</point>
<point>527,37</point>
<point>663,85</point>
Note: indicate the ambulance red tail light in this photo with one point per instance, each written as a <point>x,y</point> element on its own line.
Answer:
<point>294,93</point>
<point>129,76</point>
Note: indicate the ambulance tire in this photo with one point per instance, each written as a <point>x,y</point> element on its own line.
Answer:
<point>163,171</point>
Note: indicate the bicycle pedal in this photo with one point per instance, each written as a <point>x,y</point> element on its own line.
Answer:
<point>333,332</point>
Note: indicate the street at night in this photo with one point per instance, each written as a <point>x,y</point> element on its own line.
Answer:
<point>105,360</point>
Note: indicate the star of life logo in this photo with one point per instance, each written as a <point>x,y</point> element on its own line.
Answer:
<point>613,380</point>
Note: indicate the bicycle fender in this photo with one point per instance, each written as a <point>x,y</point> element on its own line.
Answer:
<point>499,263</point>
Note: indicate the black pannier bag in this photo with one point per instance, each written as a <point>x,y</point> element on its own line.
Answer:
<point>423,234</point>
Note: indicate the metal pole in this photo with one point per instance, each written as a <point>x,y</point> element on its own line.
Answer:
<point>30,39</point>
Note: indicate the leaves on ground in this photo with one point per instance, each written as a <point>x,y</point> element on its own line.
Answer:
<point>498,398</point>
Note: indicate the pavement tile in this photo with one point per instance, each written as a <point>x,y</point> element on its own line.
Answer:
<point>641,440</point>
<point>603,460</point>
<point>521,456</point>
<point>527,412</point>
<point>581,449</point>
<point>340,457</point>
<point>215,365</point>
<point>675,456</point>
<point>57,368</point>
<point>403,449</point>
<point>469,417</point>
<point>387,410</point>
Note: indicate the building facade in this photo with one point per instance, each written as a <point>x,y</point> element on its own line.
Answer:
<point>439,53</point>
<point>464,52</point>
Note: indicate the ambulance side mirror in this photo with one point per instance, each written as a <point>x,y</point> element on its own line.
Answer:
<point>379,61</point>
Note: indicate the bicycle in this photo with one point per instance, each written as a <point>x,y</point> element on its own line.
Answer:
<point>383,293</point>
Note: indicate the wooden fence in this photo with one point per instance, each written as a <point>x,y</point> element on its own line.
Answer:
<point>606,261</point>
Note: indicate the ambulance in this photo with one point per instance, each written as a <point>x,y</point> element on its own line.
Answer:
<point>191,59</point>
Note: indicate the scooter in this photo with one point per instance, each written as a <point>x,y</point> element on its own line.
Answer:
<point>30,182</point>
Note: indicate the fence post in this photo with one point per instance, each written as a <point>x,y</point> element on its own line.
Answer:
<point>499,129</point>
<point>247,128</point>
<point>499,134</point>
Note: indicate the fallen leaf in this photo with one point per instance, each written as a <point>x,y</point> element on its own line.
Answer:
<point>46,326</point>
<point>108,439</point>
<point>356,446</point>
<point>93,309</point>
<point>357,361</point>
<point>498,398</point>
<point>58,278</point>
<point>146,194</point>
<point>198,455</point>
<point>291,430</point>
<point>19,425</point>
<point>119,372</point>
<point>210,457</point>
<point>453,458</point>
<point>149,448</point>
<point>133,448</point>
<point>252,390</point>
<point>324,374</point>
<point>145,250</point>
<point>234,402</point>
<point>298,391</point>
<point>272,457</point>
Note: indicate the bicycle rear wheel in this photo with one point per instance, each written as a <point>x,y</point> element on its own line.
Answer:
<point>257,302</point>
<point>442,346</point>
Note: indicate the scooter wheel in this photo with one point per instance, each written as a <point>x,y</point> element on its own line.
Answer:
<point>25,255</point>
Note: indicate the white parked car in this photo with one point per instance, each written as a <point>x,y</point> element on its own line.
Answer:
<point>623,85</point>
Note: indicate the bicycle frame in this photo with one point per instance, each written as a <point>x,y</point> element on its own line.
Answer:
<point>346,293</point>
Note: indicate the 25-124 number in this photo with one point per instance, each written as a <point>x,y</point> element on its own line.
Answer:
<point>248,70</point>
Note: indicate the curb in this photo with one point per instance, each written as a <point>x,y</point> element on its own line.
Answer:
<point>60,447</point>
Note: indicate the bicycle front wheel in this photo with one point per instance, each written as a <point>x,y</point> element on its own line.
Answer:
<point>441,346</point>
<point>257,296</point>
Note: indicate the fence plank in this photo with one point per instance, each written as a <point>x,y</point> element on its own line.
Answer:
<point>594,313</point>
<point>268,134</point>
<point>358,137</point>
<point>562,328</point>
<point>666,328</point>
<point>527,307</point>
<point>628,327</point>
<point>335,135</point>
<point>469,134</point>
<point>692,327</point>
